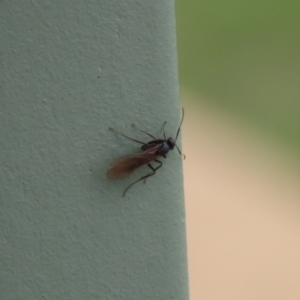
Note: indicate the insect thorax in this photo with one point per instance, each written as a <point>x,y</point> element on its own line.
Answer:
<point>164,149</point>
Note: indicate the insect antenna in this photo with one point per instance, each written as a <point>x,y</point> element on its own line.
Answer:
<point>180,125</point>
<point>115,131</point>
<point>178,134</point>
<point>183,155</point>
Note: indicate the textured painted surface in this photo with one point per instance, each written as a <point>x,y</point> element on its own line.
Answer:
<point>69,70</point>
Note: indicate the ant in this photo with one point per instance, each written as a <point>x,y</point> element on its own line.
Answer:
<point>151,152</point>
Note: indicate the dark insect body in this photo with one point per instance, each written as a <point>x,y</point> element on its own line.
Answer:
<point>151,152</point>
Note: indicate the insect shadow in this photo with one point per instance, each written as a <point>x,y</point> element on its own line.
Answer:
<point>151,152</point>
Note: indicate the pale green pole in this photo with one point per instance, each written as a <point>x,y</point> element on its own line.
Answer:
<point>69,70</point>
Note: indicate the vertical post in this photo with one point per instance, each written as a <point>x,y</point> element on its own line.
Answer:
<point>70,70</point>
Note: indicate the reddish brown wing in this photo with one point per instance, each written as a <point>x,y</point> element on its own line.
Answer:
<point>125,165</point>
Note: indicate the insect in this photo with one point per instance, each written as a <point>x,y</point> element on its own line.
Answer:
<point>151,152</point>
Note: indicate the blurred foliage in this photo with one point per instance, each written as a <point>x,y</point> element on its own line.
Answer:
<point>244,56</point>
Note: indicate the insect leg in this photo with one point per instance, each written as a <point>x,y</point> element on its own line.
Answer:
<point>114,130</point>
<point>144,177</point>
<point>134,126</point>
<point>163,128</point>
<point>153,169</point>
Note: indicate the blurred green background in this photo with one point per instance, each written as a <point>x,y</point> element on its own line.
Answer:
<point>244,56</point>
